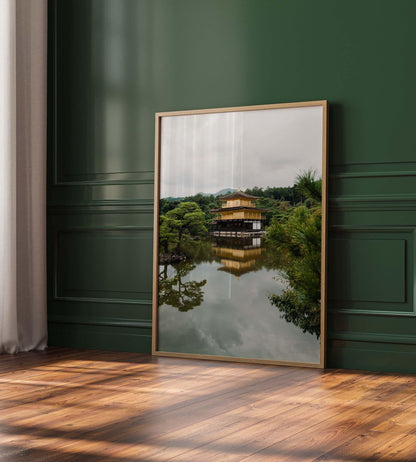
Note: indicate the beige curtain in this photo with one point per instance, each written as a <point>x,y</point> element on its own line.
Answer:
<point>23,28</point>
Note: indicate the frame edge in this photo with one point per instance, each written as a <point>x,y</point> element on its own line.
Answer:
<point>325,164</point>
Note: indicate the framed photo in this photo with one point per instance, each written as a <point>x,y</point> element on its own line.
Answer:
<point>240,234</point>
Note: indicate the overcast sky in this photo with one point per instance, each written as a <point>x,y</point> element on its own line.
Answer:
<point>210,152</point>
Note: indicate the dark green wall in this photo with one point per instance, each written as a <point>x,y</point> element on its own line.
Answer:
<point>114,63</point>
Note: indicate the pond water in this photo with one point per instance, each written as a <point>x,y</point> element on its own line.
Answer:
<point>218,304</point>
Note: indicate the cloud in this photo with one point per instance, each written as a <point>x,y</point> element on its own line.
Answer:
<point>209,152</point>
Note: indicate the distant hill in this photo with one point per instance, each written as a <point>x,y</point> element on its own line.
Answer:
<point>223,192</point>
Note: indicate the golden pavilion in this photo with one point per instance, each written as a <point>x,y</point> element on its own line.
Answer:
<point>238,216</point>
<point>237,260</point>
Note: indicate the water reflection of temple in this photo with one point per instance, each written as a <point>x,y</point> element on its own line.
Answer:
<point>237,255</point>
<point>238,216</point>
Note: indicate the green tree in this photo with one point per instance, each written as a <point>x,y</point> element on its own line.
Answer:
<point>296,235</point>
<point>282,194</point>
<point>206,203</point>
<point>181,225</point>
<point>309,186</point>
<point>168,232</point>
<point>165,205</point>
<point>174,291</point>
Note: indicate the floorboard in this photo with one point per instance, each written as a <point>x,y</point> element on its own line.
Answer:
<point>83,405</point>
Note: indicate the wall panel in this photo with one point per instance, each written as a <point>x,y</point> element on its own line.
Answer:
<point>114,63</point>
<point>371,313</point>
<point>372,269</point>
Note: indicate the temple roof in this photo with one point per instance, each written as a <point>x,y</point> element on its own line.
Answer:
<point>239,207</point>
<point>236,195</point>
<point>237,271</point>
<point>247,255</point>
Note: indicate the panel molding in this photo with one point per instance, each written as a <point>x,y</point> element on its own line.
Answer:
<point>373,228</point>
<point>133,193</point>
<point>91,210</point>
<point>108,178</point>
<point>102,321</point>
<point>91,229</point>
<point>373,337</point>
<point>361,307</point>
<point>372,174</point>
<point>410,314</point>
<point>121,301</point>
<point>366,203</point>
<point>388,198</point>
<point>102,203</point>
<point>373,169</point>
<point>96,230</point>
<point>101,207</point>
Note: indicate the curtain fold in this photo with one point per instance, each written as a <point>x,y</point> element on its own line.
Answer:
<point>23,51</point>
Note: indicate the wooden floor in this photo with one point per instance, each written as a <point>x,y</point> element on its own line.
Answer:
<point>72,405</point>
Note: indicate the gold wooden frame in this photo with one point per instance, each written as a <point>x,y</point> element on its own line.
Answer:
<point>158,119</point>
